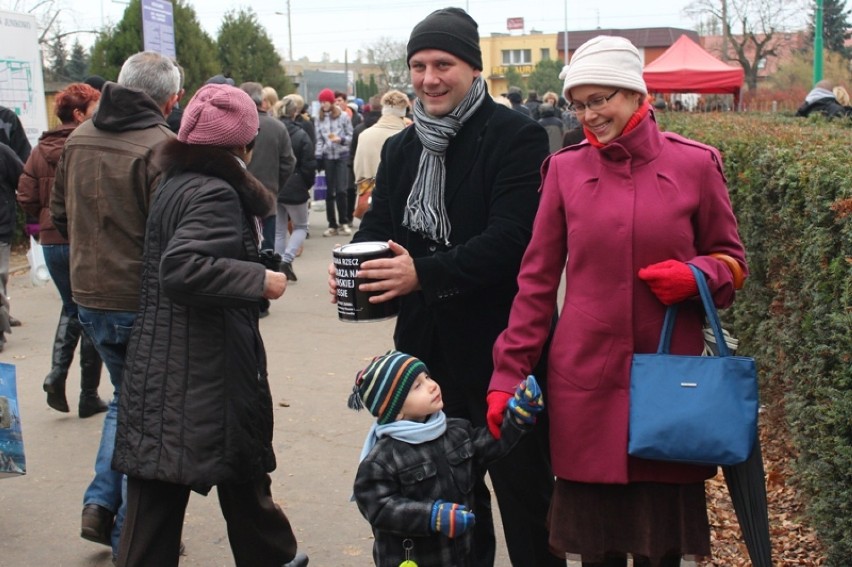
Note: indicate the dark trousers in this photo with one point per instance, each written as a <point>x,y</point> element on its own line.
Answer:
<point>522,481</point>
<point>336,198</point>
<point>268,241</point>
<point>258,531</point>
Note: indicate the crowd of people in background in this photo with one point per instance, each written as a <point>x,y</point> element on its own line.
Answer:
<point>169,230</point>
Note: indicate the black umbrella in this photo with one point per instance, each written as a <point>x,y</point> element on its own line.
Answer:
<point>747,487</point>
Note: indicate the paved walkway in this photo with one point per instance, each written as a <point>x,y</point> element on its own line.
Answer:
<point>313,359</point>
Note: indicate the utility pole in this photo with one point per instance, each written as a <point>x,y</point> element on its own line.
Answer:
<point>289,33</point>
<point>818,32</point>
<point>565,37</point>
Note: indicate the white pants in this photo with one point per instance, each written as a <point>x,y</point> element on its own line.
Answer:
<point>286,244</point>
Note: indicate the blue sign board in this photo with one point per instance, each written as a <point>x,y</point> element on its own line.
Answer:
<point>158,27</point>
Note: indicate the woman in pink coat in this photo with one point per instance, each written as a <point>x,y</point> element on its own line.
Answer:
<point>622,214</point>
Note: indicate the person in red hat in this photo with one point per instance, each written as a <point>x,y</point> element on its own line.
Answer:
<point>333,136</point>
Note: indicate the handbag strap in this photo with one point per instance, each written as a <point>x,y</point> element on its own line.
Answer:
<point>709,309</point>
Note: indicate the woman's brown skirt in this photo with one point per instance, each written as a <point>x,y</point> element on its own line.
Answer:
<point>650,519</point>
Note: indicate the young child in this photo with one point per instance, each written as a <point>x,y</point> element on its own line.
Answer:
<point>415,481</point>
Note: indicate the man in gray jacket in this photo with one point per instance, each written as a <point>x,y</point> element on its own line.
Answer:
<point>104,183</point>
<point>272,161</point>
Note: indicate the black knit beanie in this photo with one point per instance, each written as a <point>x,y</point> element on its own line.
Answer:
<point>451,30</point>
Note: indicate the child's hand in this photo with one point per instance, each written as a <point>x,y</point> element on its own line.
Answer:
<point>527,402</point>
<point>451,519</point>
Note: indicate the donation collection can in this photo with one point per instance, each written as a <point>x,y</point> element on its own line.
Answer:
<point>353,305</point>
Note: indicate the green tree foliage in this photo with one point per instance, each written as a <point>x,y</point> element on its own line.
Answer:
<point>58,57</point>
<point>196,51</point>
<point>514,79</point>
<point>835,26</point>
<point>247,54</point>
<point>789,185</point>
<point>545,77</point>
<point>364,89</point>
<point>77,68</point>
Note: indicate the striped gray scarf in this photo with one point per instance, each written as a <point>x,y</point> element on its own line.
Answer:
<point>426,212</point>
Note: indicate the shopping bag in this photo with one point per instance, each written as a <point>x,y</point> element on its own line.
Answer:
<point>365,196</point>
<point>320,186</point>
<point>693,409</point>
<point>39,273</point>
<point>12,460</point>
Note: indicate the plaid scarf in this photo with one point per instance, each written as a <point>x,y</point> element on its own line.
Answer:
<point>426,212</point>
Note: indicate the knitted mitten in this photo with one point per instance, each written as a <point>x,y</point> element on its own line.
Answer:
<point>671,281</point>
<point>497,402</point>
<point>451,519</point>
<point>527,402</point>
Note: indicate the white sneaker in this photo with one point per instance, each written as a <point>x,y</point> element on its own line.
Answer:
<point>344,229</point>
<point>330,232</point>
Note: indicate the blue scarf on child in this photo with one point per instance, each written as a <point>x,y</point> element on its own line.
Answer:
<point>412,432</point>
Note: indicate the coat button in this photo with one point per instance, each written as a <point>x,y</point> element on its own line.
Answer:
<point>432,248</point>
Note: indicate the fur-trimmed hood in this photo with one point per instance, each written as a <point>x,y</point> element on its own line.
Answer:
<point>174,158</point>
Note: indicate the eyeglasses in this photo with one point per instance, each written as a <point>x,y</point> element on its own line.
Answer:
<point>594,104</point>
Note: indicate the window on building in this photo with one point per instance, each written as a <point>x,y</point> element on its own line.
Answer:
<point>545,54</point>
<point>517,56</point>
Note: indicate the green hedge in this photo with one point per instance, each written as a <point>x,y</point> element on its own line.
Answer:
<point>791,186</point>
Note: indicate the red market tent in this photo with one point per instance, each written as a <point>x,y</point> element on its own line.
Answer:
<point>686,67</point>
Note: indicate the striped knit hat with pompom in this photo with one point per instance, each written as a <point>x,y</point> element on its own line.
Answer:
<point>384,384</point>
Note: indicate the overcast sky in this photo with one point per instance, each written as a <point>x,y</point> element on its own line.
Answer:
<point>332,26</point>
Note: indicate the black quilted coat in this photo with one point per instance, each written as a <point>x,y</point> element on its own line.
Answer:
<point>195,407</point>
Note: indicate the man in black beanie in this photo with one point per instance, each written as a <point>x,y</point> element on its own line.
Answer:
<point>459,217</point>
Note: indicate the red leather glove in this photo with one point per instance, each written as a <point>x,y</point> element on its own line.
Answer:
<point>497,402</point>
<point>671,281</point>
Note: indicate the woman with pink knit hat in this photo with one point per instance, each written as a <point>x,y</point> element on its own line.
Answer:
<point>195,409</point>
<point>622,214</point>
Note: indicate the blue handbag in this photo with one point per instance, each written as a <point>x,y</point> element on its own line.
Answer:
<point>693,409</point>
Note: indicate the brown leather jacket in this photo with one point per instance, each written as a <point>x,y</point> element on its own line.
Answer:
<point>104,183</point>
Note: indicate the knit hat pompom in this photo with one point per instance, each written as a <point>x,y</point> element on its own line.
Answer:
<point>605,60</point>
<point>451,30</point>
<point>326,95</point>
<point>219,115</point>
<point>384,384</point>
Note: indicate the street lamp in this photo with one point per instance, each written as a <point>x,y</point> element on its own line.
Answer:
<point>289,32</point>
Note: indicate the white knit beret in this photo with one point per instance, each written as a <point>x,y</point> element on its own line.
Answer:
<point>606,60</point>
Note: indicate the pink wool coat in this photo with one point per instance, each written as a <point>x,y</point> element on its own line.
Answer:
<point>605,213</point>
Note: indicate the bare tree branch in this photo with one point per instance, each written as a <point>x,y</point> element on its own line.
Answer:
<point>389,55</point>
<point>753,28</point>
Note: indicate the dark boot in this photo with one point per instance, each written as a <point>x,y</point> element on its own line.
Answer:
<point>90,379</point>
<point>67,334</point>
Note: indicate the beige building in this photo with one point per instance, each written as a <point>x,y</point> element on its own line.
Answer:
<point>523,52</point>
